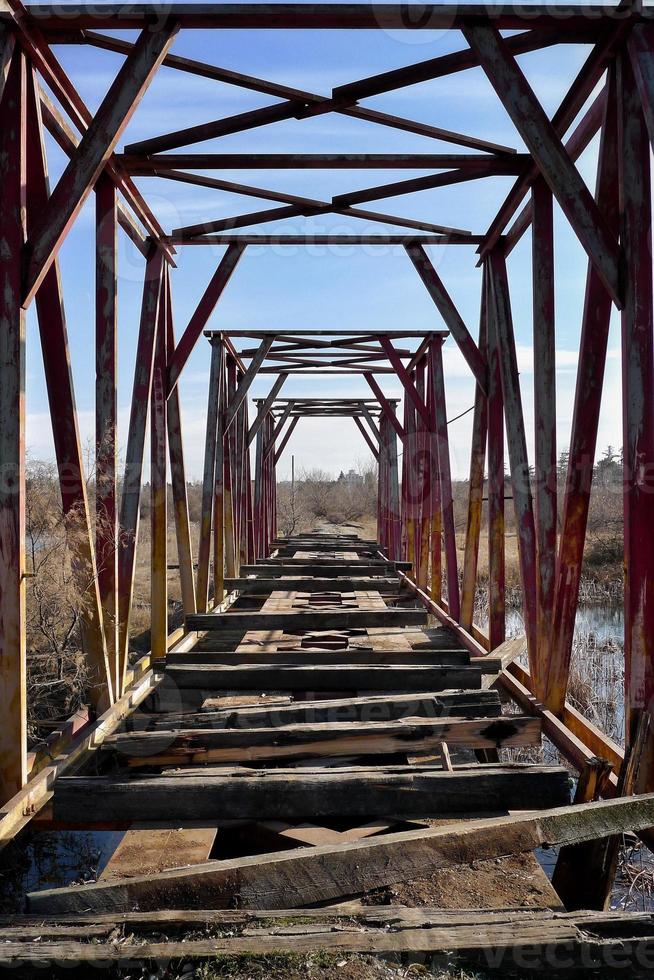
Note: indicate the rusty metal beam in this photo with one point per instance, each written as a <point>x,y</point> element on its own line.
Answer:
<point>476,478</point>
<point>449,312</point>
<point>517,446</point>
<point>247,379</point>
<point>573,102</point>
<point>13,730</point>
<point>638,409</point>
<point>159,484</point>
<point>130,506</point>
<point>160,163</point>
<point>63,415</point>
<point>106,414</point>
<point>95,148</point>
<point>287,436</point>
<point>216,381</point>
<point>178,480</point>
<point>366,435</point>
<point>328,16</point>
<point>203,311</point>
<point>264,407</point>
<point>548,152</point>
<point>43,59</point>
<point>545,460</point>
<point>593,344</point>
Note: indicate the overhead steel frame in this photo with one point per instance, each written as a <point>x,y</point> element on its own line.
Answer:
<point>613,227</point>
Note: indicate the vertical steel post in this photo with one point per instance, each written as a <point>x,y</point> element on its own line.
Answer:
<point>13,730</point>
<point>206,517</point>
<point>638,410</point>
<point>447,501</point>
<point>130,506</point>
<point>63,414</point>
<point>542,237</point>
<point>517,446</point>
<point>159,486</point>
<point>106,413</point>
<point>178,478</point>
<point>593,344</point>
<point>496,539</point>
<point>219,498</point>
<point>476,480</point>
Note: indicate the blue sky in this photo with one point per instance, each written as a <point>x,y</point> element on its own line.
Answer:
<point>364,289</point>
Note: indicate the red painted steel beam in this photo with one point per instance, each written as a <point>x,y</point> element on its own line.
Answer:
<point>328,16</point>
<point>264,408</point>
<point>247,379</point>
<point>446,64</point>
<point>43,59</point>
<point>545,489</point>
<point>405,378</point>
<point>67,140</point>
<point>496,531</point>
<point>300,105</point>
<point>476,478</point>
<point>203,311</point>
<point>638,410</point>
<point>517,446</point>
<point>95,148</point>
<point>488,168</point>
<point>279,425</point>
<point>573,102</point>
<point>306,207</point>
<point>575,146</point>
<point>130,505</point>
<point>322,240</point>
<point>294,109</point>
<point>106,413</point>
<point>366,435</point>
<point>216,381</point>
<point>641,53</point>
<point>439,425</point>
<point>593,345</point>
<point>13,697</point>
<point>449,312</point>
<point>63,415</point>
<point>178,480</point>
<point>160,163</point>
<point>387,408</point>
<point>159,485</point>
<point>548,152</point>
<point>287,436</point>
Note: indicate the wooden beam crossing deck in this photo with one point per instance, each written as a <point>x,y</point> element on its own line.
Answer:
<point>343,732</point>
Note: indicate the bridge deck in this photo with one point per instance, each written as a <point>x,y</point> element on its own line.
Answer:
<point>314,744</point>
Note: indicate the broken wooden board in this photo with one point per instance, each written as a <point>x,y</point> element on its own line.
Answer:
<point>150,848</point>
<point>312,657</point>
<point>505,940</point>
<point>262,585</point>
<point>308,876</point>
<point>272,711</point>
<point>306,793</point>
<point>376,738</point>
<point>273,568</point>
<point>328,677</point>
<point>312,619</point>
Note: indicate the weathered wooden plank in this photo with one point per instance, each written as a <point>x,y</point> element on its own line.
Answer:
<point>296,793</point>
<point>329,677</point>
<point>321,874</point>
<point>310,657</point>
<point>300,619</point>
<point>242,745</point>
<point>389,707</point>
